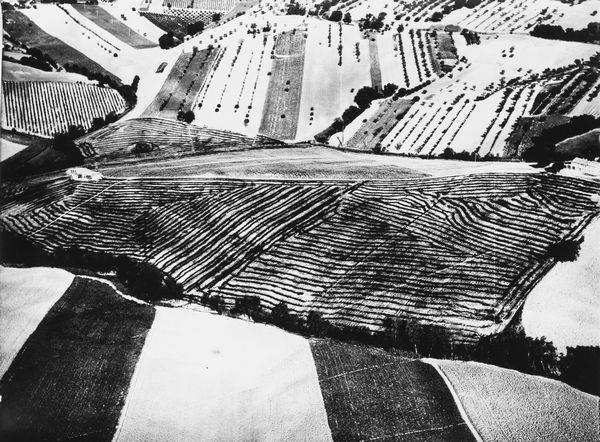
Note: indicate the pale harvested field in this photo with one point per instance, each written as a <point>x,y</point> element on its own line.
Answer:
<point>211,378</point>
<point>505,405</point>
<point>309,163</point>
<point>565,306</point>
<point>8,148</point>
<point>26,295</point>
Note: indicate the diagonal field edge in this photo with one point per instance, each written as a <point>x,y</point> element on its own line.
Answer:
<point>70,378</point>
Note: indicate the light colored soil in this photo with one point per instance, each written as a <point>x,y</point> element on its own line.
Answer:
<point>26,295</point>
<point>311,162</point>
<point>208,377</point>
<point>9,148</point>
<point>565,306</point>
<point>505,405</point>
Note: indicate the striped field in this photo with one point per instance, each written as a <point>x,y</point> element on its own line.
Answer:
<point>460,252</point>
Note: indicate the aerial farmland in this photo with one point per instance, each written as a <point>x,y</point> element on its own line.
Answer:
<point>300,220</point>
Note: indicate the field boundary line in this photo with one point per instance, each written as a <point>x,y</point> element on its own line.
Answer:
<point>457,401</point>
<point>116,290</point>
<point>80,204</point>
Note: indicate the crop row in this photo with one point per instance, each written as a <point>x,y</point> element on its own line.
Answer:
<point>460,252</point>
<point>166,138</point>
<point>46,108</point>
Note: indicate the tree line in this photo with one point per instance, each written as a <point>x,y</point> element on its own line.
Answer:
<point>589,34</point>
<point>509,349</point>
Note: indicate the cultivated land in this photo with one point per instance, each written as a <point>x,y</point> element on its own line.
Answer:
<point>280,115</point>
<point>20,27</point>
<point>26,295</point>
<point>181,87</point>
<point>70,378</point>
<point>505,405</point>
<point>207,377</point>
<point>461,252</point>
<point>44,108</point>
<point>18,72</point>
<point>162,138</point>
<point>564,307</point>
<point>372,395</point>
<point>111,24</point>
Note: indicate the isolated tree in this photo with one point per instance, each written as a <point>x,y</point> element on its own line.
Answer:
<point>336,16</point>
<point>347,18</point>
<point>216,17</point>
<point>135,83</point>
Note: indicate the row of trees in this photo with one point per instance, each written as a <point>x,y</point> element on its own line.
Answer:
<point>509,349</point>
<point>589,34</point>
<point>363,99</point>
<point>141,279</point>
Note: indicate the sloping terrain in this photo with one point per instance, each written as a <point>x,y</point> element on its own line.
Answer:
<point>26,295</point>
<point>162,138</point>
<point>461,252</point>
<point>70,378</point>
<point>372,395</point>
<point>101,366</point>
<point>505,405</point>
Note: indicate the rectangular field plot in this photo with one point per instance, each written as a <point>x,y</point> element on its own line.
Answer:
<point>209,378</point>
<point>236,105</point>
<point>280,114</point>
<point>461,252</point>
<point>372,395</point>
<point>182,85</point>
<point>111,24</point>
<point>330,79</point>
<point>70,379</point>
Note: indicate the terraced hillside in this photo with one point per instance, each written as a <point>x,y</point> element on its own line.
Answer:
<point>44,108</point>
<point>461,252</point>
<point>143,137</point>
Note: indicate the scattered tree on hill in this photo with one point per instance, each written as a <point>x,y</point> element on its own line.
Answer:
<point>135,83</point>
<point>336,16</point>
